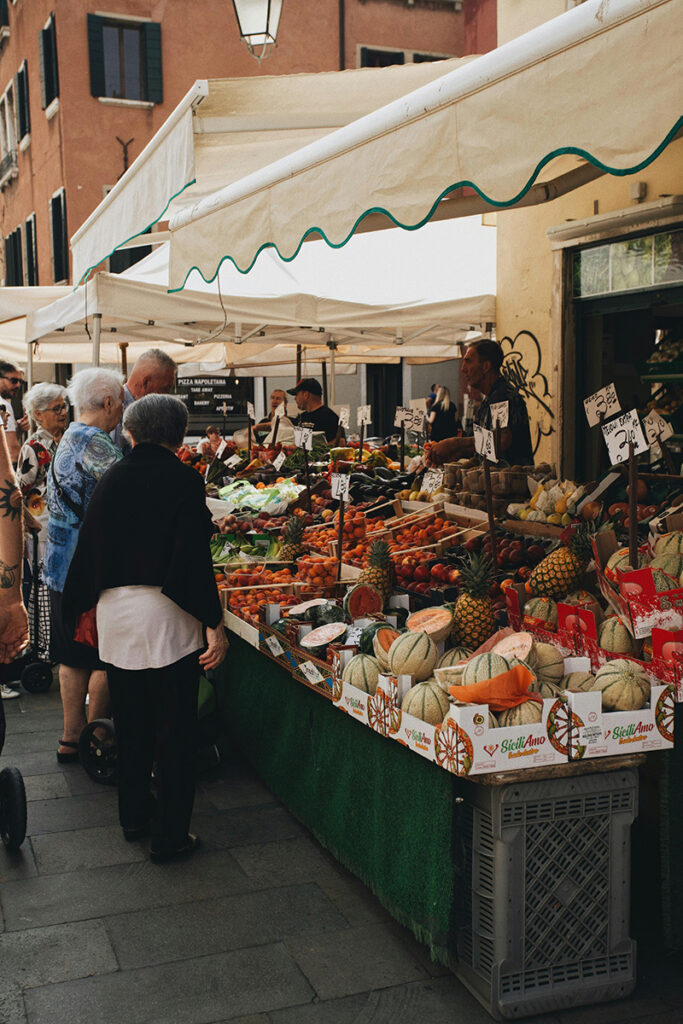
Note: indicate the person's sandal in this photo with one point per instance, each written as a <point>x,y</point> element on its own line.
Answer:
<point>72,756</point>
<point>191,844</point>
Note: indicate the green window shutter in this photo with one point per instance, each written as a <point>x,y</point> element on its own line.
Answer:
<point>96,50</point>
<point>4,13</point>
<point>155,82</point>
<point>24,97</point>
<point>9,261</point>
<point>17,108</point>
<point>52,30</point>
<point>43,79</point>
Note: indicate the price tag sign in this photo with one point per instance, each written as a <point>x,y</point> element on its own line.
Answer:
<point>221,448</point>
<point>234,460</point>
<point>274,646</point>
<point>278,460</point>
<point>402,414</point>
<point>340,486</point>
<point>344,416</point>
<point>657,428</point>
<point>432,480</point>
<point>311,672</point>
<point>250,411</point>
<point>601,405</point>
<point>363,415</point>
<point>500,412</point>
<point>417,418</point>
<point>484,443</point>
<point>303,438</point>
<point>621,432</point>
<point>279,411</point>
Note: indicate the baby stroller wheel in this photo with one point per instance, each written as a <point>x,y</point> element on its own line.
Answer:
<point>97,751</point>
<point>37,677</point>
<point>12,808</point>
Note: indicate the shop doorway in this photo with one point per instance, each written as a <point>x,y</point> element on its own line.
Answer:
<point>616,335</point>
<point>385,392</point>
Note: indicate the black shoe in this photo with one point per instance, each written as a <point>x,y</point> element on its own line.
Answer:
<point>141,831</point>
<point>71,757</point>
<point>191,844</point>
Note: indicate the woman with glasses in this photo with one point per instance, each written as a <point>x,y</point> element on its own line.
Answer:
<point>46,404</point>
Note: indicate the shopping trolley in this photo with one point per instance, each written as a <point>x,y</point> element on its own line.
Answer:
<point>34,668</point>
<point>12,800</point>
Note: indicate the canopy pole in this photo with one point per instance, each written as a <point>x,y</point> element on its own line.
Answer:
<point>333,397</point>
<point>298,362</point>
<point>123,346</point>
<point>97,327</point>
<point>324,375</point>
<point>29,364</point>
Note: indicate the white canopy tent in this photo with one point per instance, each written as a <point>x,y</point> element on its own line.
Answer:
<point>539,116</point>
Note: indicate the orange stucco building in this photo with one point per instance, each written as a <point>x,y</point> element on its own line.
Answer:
<point>83,89</point>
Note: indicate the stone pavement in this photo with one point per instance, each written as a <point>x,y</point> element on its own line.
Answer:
<point>260,927</point>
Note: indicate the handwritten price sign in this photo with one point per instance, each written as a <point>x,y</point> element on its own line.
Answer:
<point>621,432</point>
<point>500,413</point>
<point>340,483</point>
<point>274,646</point>
<point>484,443</point>
<point>363,415</point>
<point>280,411</point>
<point>250,411</point>
<point>657,428</point>
<point>311,672</point>
<point>344,413</point>
<point>221,448</point>
<point>234,460</point>
<point>303,438</point>
<point>601,405</point>
<point>433,479</point>
<point>278,460</point>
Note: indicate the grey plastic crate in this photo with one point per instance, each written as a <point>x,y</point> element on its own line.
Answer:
<point>543,916</point>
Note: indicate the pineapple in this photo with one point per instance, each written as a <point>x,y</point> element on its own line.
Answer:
<point>562,569</point>
<point>473,615</point>
<point>292,536</point>
<point>379,572</point>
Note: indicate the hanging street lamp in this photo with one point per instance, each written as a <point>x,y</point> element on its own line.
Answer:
<point>258,22</point>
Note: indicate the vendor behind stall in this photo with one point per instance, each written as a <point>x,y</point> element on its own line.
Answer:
<point>307,393</point>
<point>481,369</point>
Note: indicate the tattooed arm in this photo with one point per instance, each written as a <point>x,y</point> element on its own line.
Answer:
<point>13,618</point>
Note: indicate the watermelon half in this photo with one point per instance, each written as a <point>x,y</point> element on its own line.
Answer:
<point>363,600</point>
<point>317,640</point>
<point>306,611</point>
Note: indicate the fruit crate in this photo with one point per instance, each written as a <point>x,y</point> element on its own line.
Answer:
<point>543,871</point>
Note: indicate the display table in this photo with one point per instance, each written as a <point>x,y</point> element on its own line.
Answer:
<point>470,867</point>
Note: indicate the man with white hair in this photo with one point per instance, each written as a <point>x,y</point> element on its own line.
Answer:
<point>153,374</point>
<point>85,453</point>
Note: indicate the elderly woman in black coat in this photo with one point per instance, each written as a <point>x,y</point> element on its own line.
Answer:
<point>143,561</point>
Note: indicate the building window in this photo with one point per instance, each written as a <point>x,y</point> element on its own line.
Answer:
<point>125,59</point>
<point>648,261</point>
<point>23,113</point>
<point>31,251</point>
<point>60,239</point>
<point>14,274</point>
<point>382,57</point>
<point>49,75</point>
<point>8,141</point>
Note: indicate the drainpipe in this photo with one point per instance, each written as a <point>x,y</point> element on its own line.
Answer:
<point>342,35</point>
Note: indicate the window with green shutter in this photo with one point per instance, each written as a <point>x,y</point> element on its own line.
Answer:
<point>14,269</point>
<point>60,238</point>
<point>21,101</point>
<point>125,59</point>
<point>49,74</point>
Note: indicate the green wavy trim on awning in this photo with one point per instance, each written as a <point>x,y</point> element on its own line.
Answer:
<point>86,273</point>
<point>564,151</point>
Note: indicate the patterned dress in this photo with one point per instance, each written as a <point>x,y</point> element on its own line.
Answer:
<point>84,455</point>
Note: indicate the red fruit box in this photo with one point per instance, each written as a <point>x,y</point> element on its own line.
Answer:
<point>563,638</point>
<point>635,599</point>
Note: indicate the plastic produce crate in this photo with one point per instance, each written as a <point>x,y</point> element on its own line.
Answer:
<point>543,913</point>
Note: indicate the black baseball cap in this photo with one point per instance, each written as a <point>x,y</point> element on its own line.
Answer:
<point>306,384</point>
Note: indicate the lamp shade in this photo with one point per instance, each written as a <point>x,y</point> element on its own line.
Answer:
<point>258,21</point>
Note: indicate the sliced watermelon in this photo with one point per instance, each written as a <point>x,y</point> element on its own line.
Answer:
<point>367,636</point>
<point>304,612</point>
<point>362,600</point>
<point>317,640</point>
<point>327,613</point>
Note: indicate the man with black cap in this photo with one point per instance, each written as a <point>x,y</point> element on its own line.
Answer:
<point>307,393</point>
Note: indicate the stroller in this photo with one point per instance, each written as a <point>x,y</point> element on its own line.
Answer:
<point>34,669</point>
<point>12,800</point>
<point>97,742</point>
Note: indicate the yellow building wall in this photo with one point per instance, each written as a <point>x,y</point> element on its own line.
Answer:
<point>525,260</point>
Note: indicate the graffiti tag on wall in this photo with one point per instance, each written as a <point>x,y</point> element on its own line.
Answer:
<point>521,367</point>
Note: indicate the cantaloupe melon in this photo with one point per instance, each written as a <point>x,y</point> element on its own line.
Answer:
<point>530,712</point>
<point>577,682</point>
<point>413,654</point>
<point>436,622</point>
<point>670,542</point>
<point>518,645</point>
<point>541,611</point>
<point>614,637</point>
<point>427,701</point>
<point>670,562</point>
<point>382,640</point>
<point>482,667</point>
<point>546,689</point>
<point>664,581</point>
<point>584,599</point>
<point>621,560</point>
<point>362,671</point>
<point>453,657</point>
<point>623,684</point>
<point>493,721</point>
<point>549,664</point>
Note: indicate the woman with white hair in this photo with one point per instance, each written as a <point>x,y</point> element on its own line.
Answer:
<point>85,453</point>
<point>46,404</point>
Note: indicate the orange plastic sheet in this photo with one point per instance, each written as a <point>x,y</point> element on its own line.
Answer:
<point>507,690</point>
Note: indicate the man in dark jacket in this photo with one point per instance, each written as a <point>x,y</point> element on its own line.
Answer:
<point>143,561</point>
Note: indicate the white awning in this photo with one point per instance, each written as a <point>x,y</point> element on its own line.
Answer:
<point>17,302</point>
<point>225,129</point>
<point>595,90</point>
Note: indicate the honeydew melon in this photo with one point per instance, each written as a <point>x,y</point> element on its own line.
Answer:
<point>624,686</point>
<point>413,654</point>
<point>362,671</point>
<point>426,700</point>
